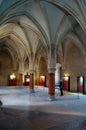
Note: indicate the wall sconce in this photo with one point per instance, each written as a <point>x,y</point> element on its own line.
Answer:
<point>66,75</point>
<point>12,76</point>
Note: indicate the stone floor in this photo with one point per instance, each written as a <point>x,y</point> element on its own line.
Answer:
<point>22,110</point>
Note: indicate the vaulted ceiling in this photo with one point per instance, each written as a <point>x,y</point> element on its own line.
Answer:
<point>28,25</point>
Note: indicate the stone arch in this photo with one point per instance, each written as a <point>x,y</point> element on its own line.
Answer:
<point>42,69</point>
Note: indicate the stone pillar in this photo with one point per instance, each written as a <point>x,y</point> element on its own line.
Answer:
<point>84,72</point>
<point>21,71</point>
<point>51,71</point>
<point>31,82</point>
<point>20,79</point>
<point>32,70</point>
<point>62,72</point>
<point>51,83</point>
<point>57,74</point>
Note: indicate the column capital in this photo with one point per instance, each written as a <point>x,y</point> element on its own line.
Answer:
<point>21,72</point>
<point>63,67</point>
<point>51,70</point>
<point>32,71</point>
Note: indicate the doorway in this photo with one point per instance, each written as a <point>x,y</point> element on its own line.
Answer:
<point>66,83</point>
<point>42,80</point>
<point>80,84</point>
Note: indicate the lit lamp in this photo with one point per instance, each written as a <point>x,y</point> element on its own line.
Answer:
<point>27,79</point>
<point>81,80</point>
<point>12,76</point>
<point>66,76</point>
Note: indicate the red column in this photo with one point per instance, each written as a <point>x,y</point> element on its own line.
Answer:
<point>51,85</point>
<point>31,82</point>
<point>20,80</point>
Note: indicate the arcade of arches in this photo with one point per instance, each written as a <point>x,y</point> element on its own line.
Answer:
<point>44,40</point>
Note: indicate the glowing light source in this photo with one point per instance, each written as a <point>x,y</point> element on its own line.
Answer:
<point>42,77</point>
<point>66,75</point>
<point>27,79</point>
<point>66,78</point>
<point>12,76</point>
<point>81,80</point>
<point>42,80</point>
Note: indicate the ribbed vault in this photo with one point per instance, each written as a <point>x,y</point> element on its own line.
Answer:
<point>42,28</point>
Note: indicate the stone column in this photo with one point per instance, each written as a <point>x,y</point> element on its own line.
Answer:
<point>20,80</point>
<point>57,74</point>
<point>51,71</point>
<point>21,71</point>
<point>32,81</point>
<point>32,70</point>
<point>51,83</point>
<point>84,72</point>
<point>62,71</point>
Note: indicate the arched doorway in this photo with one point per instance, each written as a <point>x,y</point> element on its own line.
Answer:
<point>80,84</point>
<point>42,72</point>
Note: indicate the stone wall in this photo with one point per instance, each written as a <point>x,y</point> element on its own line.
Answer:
<point>74,63</point>
<point>5,69</point>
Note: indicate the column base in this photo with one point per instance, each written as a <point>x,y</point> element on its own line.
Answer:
<point>20,86</point>
<point>32,91</point>
<point>52,98</point>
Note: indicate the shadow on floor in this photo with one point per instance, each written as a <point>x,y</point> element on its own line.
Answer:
<point>13,119</point>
